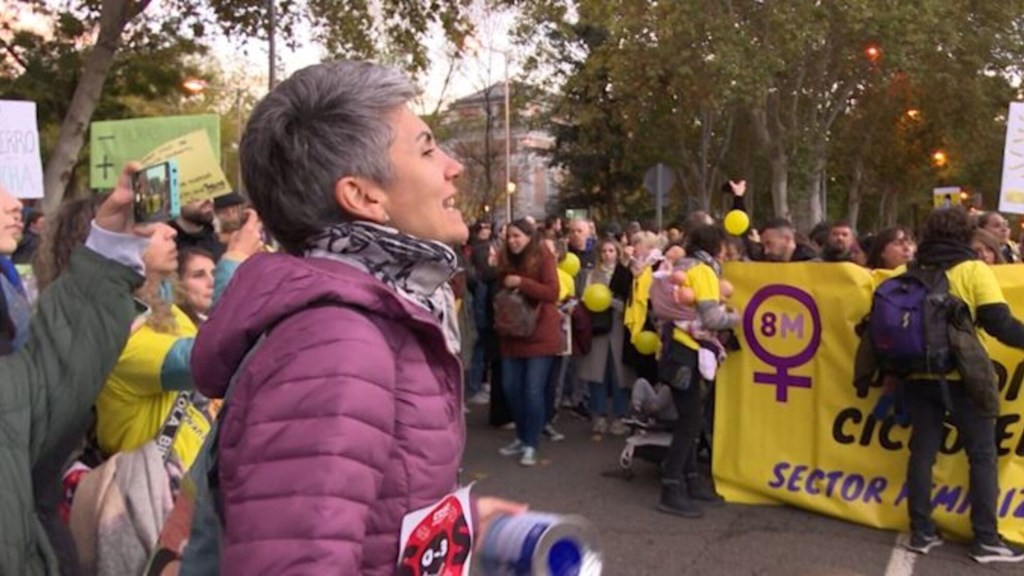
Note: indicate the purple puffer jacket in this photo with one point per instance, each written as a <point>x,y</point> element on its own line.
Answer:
<point>347,417</point>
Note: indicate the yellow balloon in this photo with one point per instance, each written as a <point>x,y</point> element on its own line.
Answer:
<point>647,342</point>
<point>570,264</point>
<point>736,222</point>
<point>597,298</point>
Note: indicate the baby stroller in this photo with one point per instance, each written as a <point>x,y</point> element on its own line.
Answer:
<point>651,423</point>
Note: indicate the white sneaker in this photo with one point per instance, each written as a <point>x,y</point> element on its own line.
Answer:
<point>516,447</point>
<point>480,398</point>
<point>552,434</point>
<point>600,425</point>
<point>529,457</point>
<point>618,428</point>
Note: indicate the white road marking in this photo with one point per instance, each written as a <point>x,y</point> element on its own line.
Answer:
<point>901,561</point>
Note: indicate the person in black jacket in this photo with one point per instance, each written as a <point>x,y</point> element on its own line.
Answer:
<point>195,228</point>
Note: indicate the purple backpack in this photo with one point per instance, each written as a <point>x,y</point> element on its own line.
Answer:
<point>909,323</point>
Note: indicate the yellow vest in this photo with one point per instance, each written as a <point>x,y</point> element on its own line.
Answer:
<point>636,312</point>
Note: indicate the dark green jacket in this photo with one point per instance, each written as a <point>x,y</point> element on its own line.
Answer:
<point>48,388</point>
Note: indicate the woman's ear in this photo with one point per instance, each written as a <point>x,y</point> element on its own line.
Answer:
<point>361,199</point>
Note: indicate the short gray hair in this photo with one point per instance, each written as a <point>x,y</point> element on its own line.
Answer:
<point>325,122</point>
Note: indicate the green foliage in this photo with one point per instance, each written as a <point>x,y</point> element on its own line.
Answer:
<point>145,78</point>
<point>157,50</point>
<point>722,88</point>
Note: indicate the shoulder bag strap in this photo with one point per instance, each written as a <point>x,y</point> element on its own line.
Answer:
<point>169,429</point>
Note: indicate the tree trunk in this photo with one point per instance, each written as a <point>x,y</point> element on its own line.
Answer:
<point>888,208</point>
<point>780,184</point>
<point>779,159</point>
<point>893,213</point>
<point>816,204</point>
<point>114,18</point>
<point>853,201</point>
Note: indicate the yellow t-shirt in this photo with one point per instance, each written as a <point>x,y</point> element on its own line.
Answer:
<point>132,407</point>
<point>973,282</point>
<point>706,287</point>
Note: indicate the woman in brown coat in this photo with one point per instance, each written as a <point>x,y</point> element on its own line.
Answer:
<point>525,265</point>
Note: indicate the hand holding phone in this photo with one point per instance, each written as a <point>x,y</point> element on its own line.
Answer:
<point>156,194</point>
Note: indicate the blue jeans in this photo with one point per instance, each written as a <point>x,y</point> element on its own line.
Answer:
<point>599,392</point>
<point>524,380</point>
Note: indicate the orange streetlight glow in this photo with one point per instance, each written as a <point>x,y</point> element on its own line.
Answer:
<point>194,85</point>
<point>873,53</point>
<point>913,113</point>
<point>939,158</point>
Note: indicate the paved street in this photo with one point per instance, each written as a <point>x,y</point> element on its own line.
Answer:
<point>735,539</point>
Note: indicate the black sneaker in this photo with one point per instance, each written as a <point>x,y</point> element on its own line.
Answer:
<point>582,411</point>
<point>702,490</point>
<point>995,552</point>
<point>674,501</point>
<point>923,543</point>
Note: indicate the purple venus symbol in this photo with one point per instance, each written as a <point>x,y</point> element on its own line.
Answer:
<point>781,379</point>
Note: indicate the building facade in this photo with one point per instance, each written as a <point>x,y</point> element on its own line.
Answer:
<point>474,131</point>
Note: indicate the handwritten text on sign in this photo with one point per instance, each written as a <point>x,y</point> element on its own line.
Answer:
<point>21,168</point>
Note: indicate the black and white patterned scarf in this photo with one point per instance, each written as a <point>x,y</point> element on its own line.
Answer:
<point>417,269</point>
<point>706,258</point>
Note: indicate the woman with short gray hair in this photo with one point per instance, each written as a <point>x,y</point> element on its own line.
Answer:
<point>348,415</point>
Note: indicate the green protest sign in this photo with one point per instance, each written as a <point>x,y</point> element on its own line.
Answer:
<point>114,143</point>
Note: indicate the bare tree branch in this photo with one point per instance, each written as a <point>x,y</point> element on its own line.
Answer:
<point>13,53</point>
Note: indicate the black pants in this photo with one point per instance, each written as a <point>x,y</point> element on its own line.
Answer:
<point>923,400</point>
<point>500,410</point>
<point>681,459</point>
<point>552,388</point>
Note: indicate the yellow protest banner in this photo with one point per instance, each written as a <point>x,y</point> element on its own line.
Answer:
<point>199,174</point>
<point>790,428</point>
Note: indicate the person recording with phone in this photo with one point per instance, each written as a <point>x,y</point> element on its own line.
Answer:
<point>147,386</point>
<point>67,232</point>
<point>48,386</point>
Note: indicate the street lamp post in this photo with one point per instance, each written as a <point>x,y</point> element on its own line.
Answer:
<point>510,186</point>
<point>272,48</point>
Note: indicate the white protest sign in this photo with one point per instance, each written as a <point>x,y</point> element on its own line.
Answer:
<point>1011,194</point>
<point>21,167</point>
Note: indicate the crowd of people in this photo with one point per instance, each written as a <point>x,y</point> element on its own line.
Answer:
<point>307,352</point>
